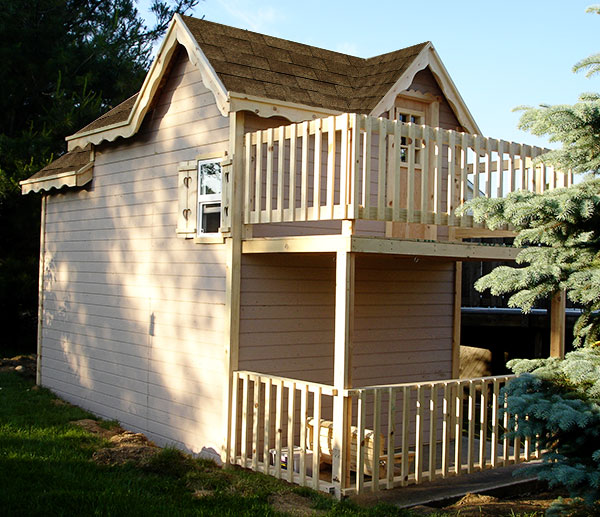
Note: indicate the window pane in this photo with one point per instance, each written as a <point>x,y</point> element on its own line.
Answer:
<point>210,217</point>
<point>209,178</point>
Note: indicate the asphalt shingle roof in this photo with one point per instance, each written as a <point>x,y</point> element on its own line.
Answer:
<point>264,66</point>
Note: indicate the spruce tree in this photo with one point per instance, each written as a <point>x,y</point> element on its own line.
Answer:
<point>558,401</point>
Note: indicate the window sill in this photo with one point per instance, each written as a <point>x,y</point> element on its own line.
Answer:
<point>213,238</point>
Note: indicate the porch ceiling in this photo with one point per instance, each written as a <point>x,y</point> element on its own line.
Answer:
<point>352,243</point>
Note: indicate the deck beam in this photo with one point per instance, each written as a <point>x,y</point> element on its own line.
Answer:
<point>387,246</point>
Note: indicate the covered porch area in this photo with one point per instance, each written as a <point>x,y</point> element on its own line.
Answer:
<point>348,359</point>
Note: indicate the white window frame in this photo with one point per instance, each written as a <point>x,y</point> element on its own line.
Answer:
<point>208,199</point>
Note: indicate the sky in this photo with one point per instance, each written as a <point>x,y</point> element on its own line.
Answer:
<point>500,54</point>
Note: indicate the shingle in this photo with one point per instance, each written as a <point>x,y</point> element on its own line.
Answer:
<point>68,162</point>
<point>271,53</point>
<point>292,46</point>
<point>308,61</point>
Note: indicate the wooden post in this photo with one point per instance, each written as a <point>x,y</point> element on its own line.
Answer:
<point>233,272</point>
<point>344,322</point>
<point>557,324</point>
<point>42,265</point>
<point>456,320</point>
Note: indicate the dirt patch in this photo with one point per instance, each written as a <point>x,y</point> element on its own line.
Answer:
<point>125,446</point>
<point>23,364</point>
<point>472,505</point>
<point>293,504</point>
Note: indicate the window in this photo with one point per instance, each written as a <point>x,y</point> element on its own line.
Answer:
<point>209,196</point>
<point>413,117</point>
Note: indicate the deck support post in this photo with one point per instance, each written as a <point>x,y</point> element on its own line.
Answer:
<point>344,323</point>
<point>233,246</point>
<point>557,324</point>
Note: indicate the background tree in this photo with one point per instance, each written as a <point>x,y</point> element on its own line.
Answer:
<point>62,63</point>
<point>560,232</point>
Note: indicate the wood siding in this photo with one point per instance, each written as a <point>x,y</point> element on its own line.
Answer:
<point>133,315</point>
<point>402,325</point>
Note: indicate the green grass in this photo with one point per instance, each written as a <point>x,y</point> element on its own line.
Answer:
<point>46,469</point>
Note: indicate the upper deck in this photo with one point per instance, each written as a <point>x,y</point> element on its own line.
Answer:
<point>386,178</point>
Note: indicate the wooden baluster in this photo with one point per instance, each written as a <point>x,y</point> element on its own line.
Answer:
<point>234,417</point>
<point>248,179</point>
<point>354,167</point>
<point>304,173</point>
<point>511,167</point>
<point>280,165</point>
<point>458,429</point>
<point>500,191</point>
<point>505,440</point>
<point>376,438</point>
<point>495,416</point>
<point>331,166</point>
<point>258,179</point>
<point>317,171</point>
<point>244,439</point>
<point>405,433</point>
<point>360,441</point>
<point>278,428</point>
<point>303,430</point>
<point>366,202</point>
<point>267,432</point>
<point>419,437</point>
<point>476,151</point>
<point>292,185</point>
<point>483,421</point>
<point>432,432</point>
<point>255,420</point>
<point>391,437</point>
<point>471,429</point>
<point>488,167</point>
<point>464,177</point>
<point>344,167</point>
<point>316,445</point>
<point>290,430</point>
<point>452,187</point>
<point>410,179</point>
<point>437,205</point>
<point>425,175</point>
<point>399,132</point>
<point>269,182</point>
<point>446,428</point>
<point>381,178</point>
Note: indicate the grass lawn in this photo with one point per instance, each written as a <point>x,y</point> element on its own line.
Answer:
<point>46,468</point>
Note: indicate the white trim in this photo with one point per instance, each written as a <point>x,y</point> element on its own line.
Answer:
<point>208,199</point>
<point>428,57</point>
<point>178,33</point>
<point>267,108</point>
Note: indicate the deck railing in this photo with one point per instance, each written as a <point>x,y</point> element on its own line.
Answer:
<point>359,167</point>
<point>395,435</point>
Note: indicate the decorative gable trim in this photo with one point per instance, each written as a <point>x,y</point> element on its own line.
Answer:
<point>178,33</point>
<point>428,57</point>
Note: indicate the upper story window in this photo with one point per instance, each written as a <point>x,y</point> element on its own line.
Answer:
<point>209,196</point>
<point>414,117</point>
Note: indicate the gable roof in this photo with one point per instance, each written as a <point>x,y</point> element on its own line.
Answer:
<point>264,66</point>
<point>239,65</point>
<point>245,69</point>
